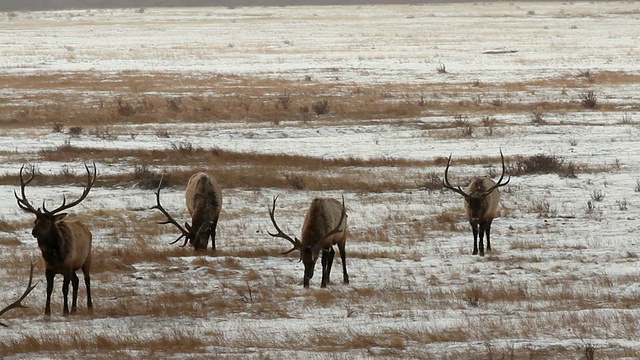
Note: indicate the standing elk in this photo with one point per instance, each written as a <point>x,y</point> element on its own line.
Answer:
<point>65,244</point>
<point>481,203</point>
<point>325,225</point>
<point>18,303</point>
<point>204,202</point>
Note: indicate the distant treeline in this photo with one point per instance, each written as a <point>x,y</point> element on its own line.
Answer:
<point>27,5</point>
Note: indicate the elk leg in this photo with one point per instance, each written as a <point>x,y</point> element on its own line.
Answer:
<point>482,231</point>
<point>212,233</point>
<point>332,254</point>
<point>65,293</point>
<point>474,227</point>
<point>74,299</point>
<point>326,255</point>
<point>488,230</point>
<point>49,274</point>
<point>87,283</point>
<point>343,257</point>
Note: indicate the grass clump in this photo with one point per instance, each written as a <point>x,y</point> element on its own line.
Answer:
<point>543,164</point>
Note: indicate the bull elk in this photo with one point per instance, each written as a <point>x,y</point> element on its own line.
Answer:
<point>481,203</point>
<point>204,203</point>
<point>65,244</point>
<point>18,303</point>
<point>325,225</point>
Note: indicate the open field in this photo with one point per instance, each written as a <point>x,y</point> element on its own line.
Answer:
<point>366,102</point>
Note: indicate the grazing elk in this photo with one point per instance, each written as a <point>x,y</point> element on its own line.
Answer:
<point>204,202</point>
<point>325,225</point>
<point>18,303</point>
<point>481,203</point>
<point>65,244</point>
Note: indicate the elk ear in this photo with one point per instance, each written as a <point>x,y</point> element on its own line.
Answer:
<point>59,216</point>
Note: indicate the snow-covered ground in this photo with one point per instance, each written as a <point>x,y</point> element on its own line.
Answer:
<point>562,276</point>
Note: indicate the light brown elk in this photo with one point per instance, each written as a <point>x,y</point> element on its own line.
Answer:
<point>65,244</point>
<point>325,225</point>
<point>204,203</point>
<point>481,203</point>
<point>18,303</point>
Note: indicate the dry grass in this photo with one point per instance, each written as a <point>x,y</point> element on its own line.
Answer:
<point>136,99</point>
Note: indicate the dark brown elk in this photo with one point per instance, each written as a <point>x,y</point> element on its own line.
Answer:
<point>325,225</point>
<point>204,203</point>
<point>18,303</point>
<point>481,203</point>
<point>65,244</point>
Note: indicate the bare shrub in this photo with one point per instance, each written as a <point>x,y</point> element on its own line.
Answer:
<point>104,133</point>
<point>295,181</point>
<point>145,178</point>
<point>174,104</point>
<point>431,184</point>
<point>586,74</point>
<point>183,146</point>
<point>573,142</point>
<point>537,118</point>
<point>489,123</point>
<point>162,133</point>
<point>543,164</point>
<point>58,127</point>
<point>284,101</point>
<point>441,68</point>
<point>622,204</point>
<point>497,102</point>
<point>75,130</point>
<point>125,108</point>
<point>626,119</point>
<point>472,295</point>
<point>589,99</point>
<point>597,195</point>
<point>321,107</point>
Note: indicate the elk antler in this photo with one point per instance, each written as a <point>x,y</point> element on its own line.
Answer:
<point>23,203</point>
<point>18,303</point>
<point>499,183</point>
<point>295,242</point>
<point>446,184</point>
<point>170,220</point>
<point>90,181</point>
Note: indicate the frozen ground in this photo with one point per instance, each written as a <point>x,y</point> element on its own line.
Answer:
<point>562,276</point>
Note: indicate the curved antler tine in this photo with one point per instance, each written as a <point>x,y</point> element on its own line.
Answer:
<point>90,181</point>
<point>447,185</point>
<point>18,303</point>
<point>280,233</point>
<point>169,219</point>
<point>286,252</point>
<point>499,183</point>
<point>23,203</point>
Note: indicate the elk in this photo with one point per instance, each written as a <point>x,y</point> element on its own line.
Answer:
<point>18,303</point>
<point>481,203</point>
<point>65,244</point>
<point>325,225</point>
<point>204,203</point>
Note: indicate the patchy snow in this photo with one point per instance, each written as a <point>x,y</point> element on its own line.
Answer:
<point>571,269</point>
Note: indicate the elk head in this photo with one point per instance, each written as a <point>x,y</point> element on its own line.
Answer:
<point>18,303</point>
<point>45,218</point>
<point>187,232</point>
